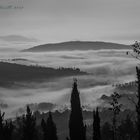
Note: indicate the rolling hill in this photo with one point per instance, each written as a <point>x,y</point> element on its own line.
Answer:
<point>11,73</point>
<point>76,45</point>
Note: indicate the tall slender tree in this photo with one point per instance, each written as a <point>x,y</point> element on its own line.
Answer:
<point>106,131</point>
<point>29,126</point>
<point>43,125</point>
<point>126,129</point>
<point>96,125</point>
<point>1,125</point>
<point>136,54</point>
<point>49,128</point>
<point>116,108</point>
<point>138,102</point>
<point>77,130</point>
<point>8,130</point>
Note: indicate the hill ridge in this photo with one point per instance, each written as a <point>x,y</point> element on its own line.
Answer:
<point>76,45</point>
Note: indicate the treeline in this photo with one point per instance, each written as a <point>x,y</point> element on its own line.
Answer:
<point>130,85</point>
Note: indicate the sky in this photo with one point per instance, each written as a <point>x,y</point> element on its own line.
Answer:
<point>46,21</point>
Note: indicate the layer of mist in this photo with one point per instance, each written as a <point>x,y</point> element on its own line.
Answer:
<point>106,67</point>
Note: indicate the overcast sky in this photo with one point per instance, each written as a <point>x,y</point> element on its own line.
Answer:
<point>64,20</point>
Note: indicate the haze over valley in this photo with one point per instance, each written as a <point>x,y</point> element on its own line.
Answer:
<point>69,70</point>
<point>101,69</point>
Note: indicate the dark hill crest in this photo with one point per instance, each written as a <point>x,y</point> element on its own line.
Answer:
<point>76,45</point>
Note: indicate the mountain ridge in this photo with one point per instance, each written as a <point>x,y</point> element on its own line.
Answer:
<point>76,45</point>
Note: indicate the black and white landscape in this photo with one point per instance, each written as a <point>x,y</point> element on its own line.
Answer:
<point>63,63</point>
<point>47,76</point>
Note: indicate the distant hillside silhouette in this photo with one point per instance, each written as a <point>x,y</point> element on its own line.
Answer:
<point>10,73</point>
<point>76,45</point>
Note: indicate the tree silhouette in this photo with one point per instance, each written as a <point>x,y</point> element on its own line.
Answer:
<point>1,125</point>
<point>8,130</point>
<point>136,51</point>
<point>29,126</point>
<point>96,125</point>
<point>49,128</point>
<point>115,107</point>
<point>126,129</point>
<point>136,54</point>
<point>138,102</point>
<point>106,131</point>
<point>43,125</point>
<point>77,130</point>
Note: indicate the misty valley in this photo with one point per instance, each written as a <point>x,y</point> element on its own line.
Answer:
<point>69,70</point>
<point>64,86</point>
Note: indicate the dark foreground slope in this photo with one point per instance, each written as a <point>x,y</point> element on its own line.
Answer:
<point>76,45</point>
<point>10,73</point>
<point>62,119</point>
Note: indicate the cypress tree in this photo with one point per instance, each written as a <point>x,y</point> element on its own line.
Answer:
<point>77,130</point>
<point>138,103</point>
<point>126,129</point>
<point>106,131</point>
<point>49,128</point>
<point>43,125</point>
<point>1,125</point>
<point>96,125</point>
<point>8,130</point>
<point>115,108</point>
<point>29,126</point>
